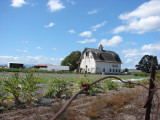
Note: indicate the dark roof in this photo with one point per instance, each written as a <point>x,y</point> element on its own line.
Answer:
<point>103,55</point>
<point>41,65</point>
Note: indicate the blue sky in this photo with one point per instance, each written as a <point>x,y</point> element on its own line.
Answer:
<point>46,31</point>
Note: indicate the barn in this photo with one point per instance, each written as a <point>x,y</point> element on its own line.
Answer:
<point>99,61</point>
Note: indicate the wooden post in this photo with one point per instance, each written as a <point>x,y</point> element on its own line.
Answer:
<point>148,104</point>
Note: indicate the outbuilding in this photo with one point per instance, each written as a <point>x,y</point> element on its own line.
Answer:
<point>51,67</point>
<point>15,65</point>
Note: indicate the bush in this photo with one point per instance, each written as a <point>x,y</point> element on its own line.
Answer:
<point>57,88</point>
<point>12,88</point>
<point>29,87</point>
<point>141,74</point>
<point>19,89</point>
<point>128,85</point>
<point>96,88</point>
<point>111,85</point>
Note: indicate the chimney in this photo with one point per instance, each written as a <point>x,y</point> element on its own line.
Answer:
<point>100,47</point>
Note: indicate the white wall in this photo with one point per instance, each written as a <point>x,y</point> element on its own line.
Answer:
<point>56,68</point>
<point>88,64</point>
<point>108,67</point>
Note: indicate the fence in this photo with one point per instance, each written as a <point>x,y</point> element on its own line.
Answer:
<point>152,91</point>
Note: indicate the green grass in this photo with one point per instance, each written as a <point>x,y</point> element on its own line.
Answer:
<point>45,80</point>
<point>31,70</point>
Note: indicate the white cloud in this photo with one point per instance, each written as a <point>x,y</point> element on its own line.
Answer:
<point>133,56</point>
<point>18,3</point>
<point>51,24</point>
<point>94,28</point>
<point>152,48</point>
<point>25,51</point>
<point>72,31</point>
<point>72,2</point>
<point>87,41</point>
<point>143,19</point>
<point>132,43</point>
<point>93,11</point>
<point>112,42</point>
<point>130,53</point>
<point>86,34</point>
<point>129,61</point>
<point>38,48</point>
<point>22,51</point>
<point>25,42</point>
<point>54,48</point>
<point>30,60</point>
<point>55,5</point>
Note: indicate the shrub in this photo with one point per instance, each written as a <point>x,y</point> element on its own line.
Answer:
<point>96,88</point>
<point>12,88</point>
<point>111,85</point>
<point>29,87</point>
<point>128,85</point>
<point>141,74</point>
<point>19,89</point>
<point>56,88</point>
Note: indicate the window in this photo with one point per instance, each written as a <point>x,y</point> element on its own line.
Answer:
<point>116,70</point>
<point>113,70</point>
<point>110,70</point>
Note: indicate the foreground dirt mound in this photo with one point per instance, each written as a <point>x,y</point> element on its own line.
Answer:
<point>126,104</point>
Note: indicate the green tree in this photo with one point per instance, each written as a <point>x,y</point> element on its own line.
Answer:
<point>145,64</point>
<point>126,70</point>
<point>72,60</point>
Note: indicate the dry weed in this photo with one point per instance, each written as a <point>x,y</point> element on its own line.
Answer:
<point>114,104</point>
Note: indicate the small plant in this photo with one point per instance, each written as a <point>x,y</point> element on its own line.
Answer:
<point>57,87</point>
<point>12,88</point>
<point>96,88</point>
<point>29,87</point>
<point>128,85</point>
<point>157,77</point>
<point>111,85</point>
<point>141,74</point>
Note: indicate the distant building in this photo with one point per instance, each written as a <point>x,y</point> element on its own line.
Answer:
<point>100,61</point>
<point>51,67</point>
<point>39,66</point>
<point>15,65</point>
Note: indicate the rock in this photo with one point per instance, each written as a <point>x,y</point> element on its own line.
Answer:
<point>46,101</point>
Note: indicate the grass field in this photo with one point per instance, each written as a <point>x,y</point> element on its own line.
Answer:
<point>44,78</point>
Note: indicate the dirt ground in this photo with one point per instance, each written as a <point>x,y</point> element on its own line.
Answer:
<point>125,104</point>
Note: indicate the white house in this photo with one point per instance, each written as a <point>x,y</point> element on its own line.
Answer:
<point>100,61</point>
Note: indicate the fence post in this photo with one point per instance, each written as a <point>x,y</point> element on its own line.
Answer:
<point>148,105</point>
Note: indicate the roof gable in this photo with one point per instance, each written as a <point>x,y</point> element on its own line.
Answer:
<point>103,55</point>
